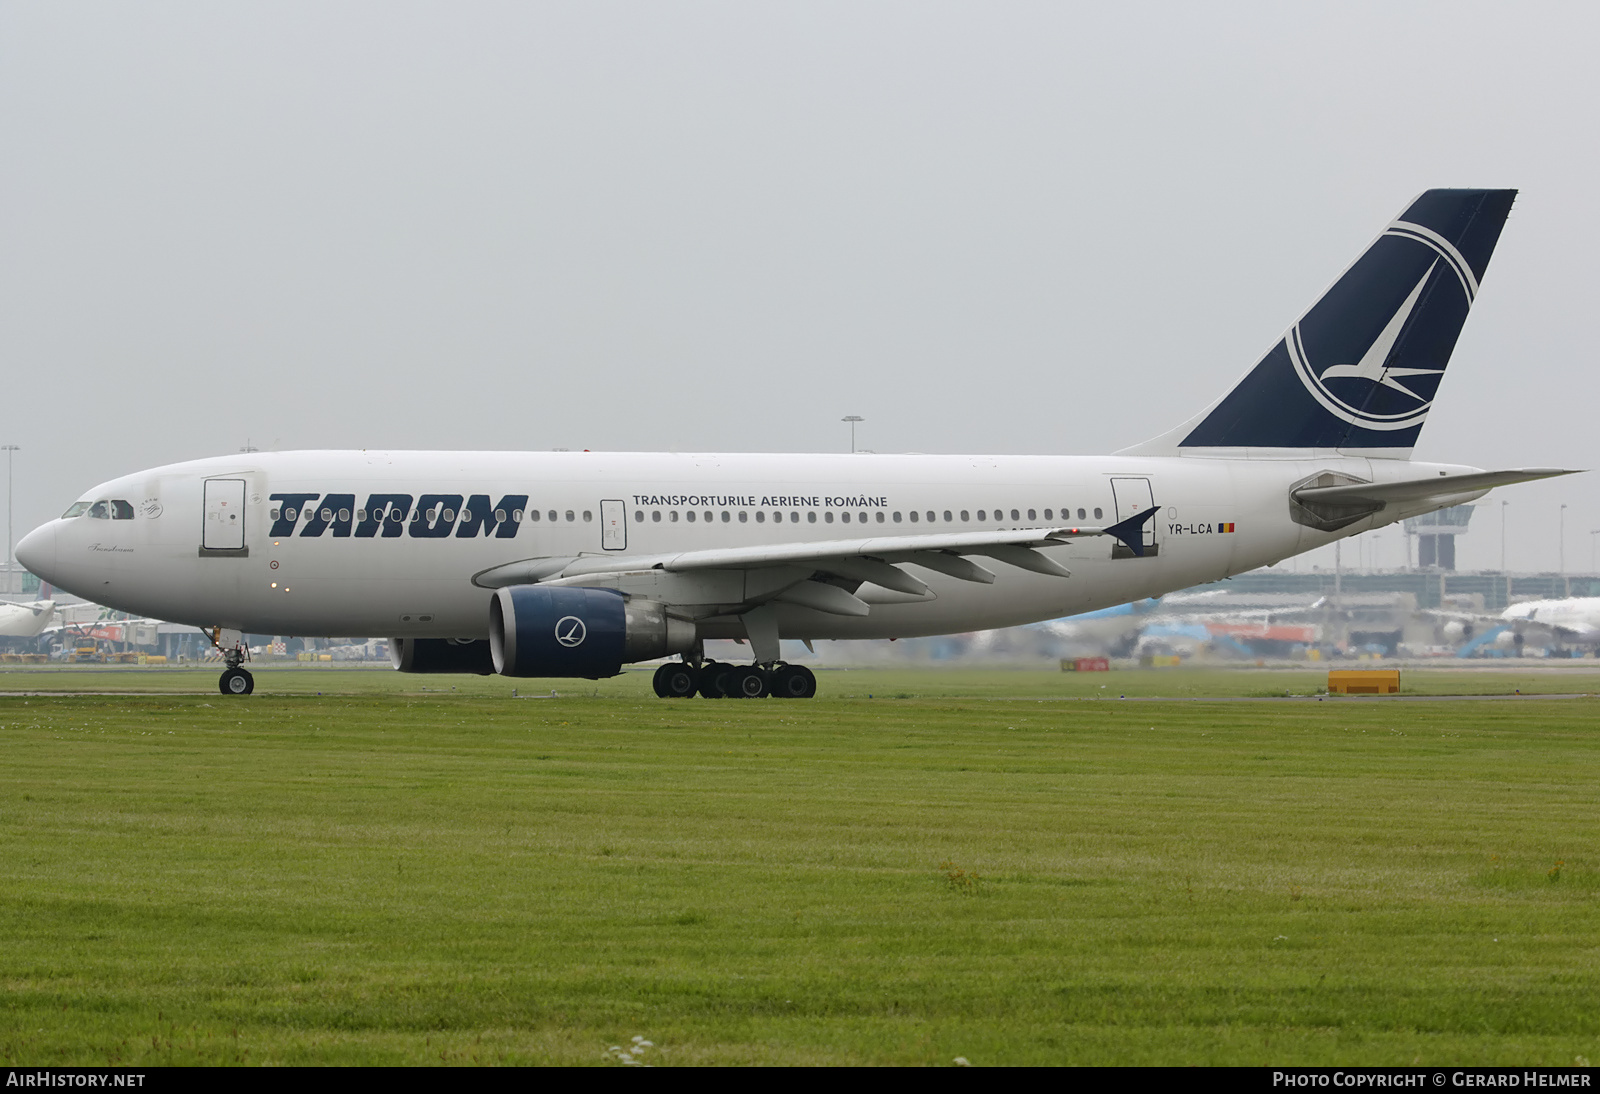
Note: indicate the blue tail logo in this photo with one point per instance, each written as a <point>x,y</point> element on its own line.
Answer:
<point>1361,368</point>
<point>1348,390</point>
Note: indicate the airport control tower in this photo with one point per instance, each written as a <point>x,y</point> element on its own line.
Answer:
<point>1436,536</point>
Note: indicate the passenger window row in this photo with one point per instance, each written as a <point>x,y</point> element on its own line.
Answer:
<point>430,515</point>
<point>915,516</point>
<point>123,511</point>
<point>117,509</point>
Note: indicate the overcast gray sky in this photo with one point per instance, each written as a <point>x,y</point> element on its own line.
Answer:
<point>995,227</point>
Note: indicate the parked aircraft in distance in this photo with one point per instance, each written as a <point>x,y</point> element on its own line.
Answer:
<point>1575,617</point>
<point>27,620</point>
<point>1190,623</point>
<point>1114,629</point>
<point>576,563</point>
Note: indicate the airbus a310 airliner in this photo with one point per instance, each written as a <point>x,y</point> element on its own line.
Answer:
<point>569,564</point>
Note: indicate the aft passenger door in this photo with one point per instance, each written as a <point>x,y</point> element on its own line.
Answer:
<point>1132,497</point>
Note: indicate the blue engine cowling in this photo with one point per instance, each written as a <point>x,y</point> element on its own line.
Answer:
<point>535,630</point>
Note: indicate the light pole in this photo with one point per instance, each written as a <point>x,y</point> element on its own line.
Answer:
<point>9,450</point>
<point>1503,535</point>
<point>853,419</point>
<point>1561,543</point>
<point>1504,573</point>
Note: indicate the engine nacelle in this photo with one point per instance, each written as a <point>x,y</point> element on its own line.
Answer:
<point>458,655</point>
<point>535,630</point>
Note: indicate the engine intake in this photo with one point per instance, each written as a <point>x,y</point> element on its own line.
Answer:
<point>535,630</point>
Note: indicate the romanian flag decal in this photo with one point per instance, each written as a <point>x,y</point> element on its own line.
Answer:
<point>1225,527</point>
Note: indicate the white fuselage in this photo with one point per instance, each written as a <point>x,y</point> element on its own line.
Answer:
<point>369,570</point>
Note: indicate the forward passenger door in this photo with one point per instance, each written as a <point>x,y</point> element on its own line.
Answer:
<point>222,528</point>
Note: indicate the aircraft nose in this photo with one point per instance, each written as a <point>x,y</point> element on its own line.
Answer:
<point>37,552</point>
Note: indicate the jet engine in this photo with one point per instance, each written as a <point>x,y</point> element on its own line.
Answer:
<point>535,630</point>
<point>459,655</point>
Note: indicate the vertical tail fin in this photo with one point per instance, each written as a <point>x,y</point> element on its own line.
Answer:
<point>1360,369</point>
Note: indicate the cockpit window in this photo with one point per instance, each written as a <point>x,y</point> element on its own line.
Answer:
<point>78,509</point>
<point>121,510</point>
<point>100,510</point>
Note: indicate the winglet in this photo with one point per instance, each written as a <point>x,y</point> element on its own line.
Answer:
<point>1131,531</point>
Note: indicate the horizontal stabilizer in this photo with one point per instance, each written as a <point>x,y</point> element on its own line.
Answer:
<point>1439,486</point>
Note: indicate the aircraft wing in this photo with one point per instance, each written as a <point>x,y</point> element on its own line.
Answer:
<point>1005,545</point>
<point>1440,486</point>
<point>873,559</point>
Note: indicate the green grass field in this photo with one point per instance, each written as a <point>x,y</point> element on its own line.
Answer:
<point>379,874</point>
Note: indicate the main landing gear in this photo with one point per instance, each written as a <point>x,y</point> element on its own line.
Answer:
<point>234,681</point>
<point>716,680</point>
